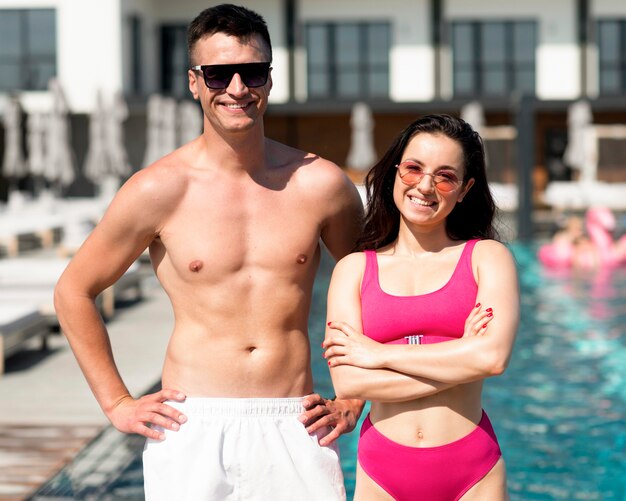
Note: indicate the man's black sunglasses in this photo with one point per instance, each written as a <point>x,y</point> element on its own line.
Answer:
<point>218,76</point>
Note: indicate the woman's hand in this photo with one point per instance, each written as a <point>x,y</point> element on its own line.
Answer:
<point>477,321</point>
<point>346,346</point>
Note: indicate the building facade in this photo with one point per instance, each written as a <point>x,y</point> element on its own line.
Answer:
<point>401,57</point>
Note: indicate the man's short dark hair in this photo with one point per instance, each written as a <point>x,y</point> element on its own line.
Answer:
<point>232,20</point>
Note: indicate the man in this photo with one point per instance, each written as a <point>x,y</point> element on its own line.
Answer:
<point>233,222</point>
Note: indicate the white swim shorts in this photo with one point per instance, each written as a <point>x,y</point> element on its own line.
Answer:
<point>241,449</point>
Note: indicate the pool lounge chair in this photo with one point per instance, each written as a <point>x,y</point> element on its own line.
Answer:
<point>34,279</point>
<point>43,218</point>
<point>15,228</point>
<point>580,195</point>
<point>505,195</point>
<point>19,323</point>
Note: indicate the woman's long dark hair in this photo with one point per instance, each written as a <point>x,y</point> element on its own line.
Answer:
<point>473,218</point>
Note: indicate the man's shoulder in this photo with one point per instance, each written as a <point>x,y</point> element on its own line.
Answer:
<point>321,177</point>
<point>322,172</point>
<point>161,180</point>
<point>306,162</point>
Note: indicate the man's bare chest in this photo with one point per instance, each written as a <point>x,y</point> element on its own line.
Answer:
<point>269,233</point>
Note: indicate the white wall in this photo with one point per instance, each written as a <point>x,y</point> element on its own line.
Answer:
<point>558,56</point>
<point>608,8</point>
<point>90,50</point>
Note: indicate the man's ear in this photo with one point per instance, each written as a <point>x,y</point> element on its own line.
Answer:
<point>194,82</point>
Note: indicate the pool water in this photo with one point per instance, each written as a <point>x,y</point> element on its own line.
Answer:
<point>559,410</point>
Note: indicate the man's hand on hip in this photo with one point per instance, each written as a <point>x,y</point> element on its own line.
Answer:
<point>131,415</point>
<point>340,415</point>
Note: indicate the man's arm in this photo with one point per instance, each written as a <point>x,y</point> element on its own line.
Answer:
<point>344,213</point>
<point>341,226</point>
<point>131,222</point>
<point>342,415</point>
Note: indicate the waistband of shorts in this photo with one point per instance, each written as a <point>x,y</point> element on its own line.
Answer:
<point>240,407</point>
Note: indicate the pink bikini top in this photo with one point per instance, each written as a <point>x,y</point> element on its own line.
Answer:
<point>427,318</point>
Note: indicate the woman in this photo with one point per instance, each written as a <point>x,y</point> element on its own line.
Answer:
<point>432,277</point>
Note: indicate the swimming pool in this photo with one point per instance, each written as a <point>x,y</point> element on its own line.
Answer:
<point>559,410</point>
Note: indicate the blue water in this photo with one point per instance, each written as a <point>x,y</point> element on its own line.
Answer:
<point>559,410</point>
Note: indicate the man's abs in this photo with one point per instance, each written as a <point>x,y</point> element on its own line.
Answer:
<point>238,364</point>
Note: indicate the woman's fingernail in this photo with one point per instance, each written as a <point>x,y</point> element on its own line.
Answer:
<point>477,305</point>
<point>489,309</point>
<point>328,323</point>
<point>484,326</point>
<point>490,315</point>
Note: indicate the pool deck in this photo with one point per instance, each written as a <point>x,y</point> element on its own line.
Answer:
<point>47,411</point>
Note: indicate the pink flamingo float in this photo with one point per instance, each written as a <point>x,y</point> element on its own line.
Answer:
<point>572,249</point>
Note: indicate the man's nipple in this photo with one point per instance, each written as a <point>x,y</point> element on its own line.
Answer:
<point>301,259</point>
<point>195,265</point>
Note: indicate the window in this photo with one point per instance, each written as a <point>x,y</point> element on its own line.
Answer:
<point>27,48</point>
<point>174,60</point>
<point>612,54</point>
<point>136,81</point>
<point>491,59</point>
<point>348,60</point>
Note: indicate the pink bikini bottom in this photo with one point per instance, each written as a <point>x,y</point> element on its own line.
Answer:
<point>442,473</point>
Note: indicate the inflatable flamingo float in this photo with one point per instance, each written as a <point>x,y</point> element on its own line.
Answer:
<point>571,249</point>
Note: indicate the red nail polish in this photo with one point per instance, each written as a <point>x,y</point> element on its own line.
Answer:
<point>329,363</point>
<point>477,305</point>
<point>490,315</point>
<point>489,309</point>
<point>328,323</point>
<point>484,326</point>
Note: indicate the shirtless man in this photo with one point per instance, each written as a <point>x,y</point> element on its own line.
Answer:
<point>233,222</point>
